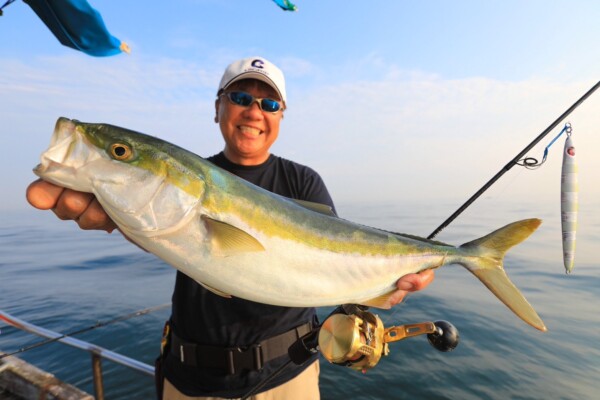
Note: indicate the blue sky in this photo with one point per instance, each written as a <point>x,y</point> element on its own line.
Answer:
<point>389,101</point>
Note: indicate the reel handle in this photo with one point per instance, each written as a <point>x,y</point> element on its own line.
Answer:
<point>445,338</point>
<point>396,333</point>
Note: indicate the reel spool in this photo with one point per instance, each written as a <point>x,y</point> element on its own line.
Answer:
<point>352,341</point>
<point>359,340</point>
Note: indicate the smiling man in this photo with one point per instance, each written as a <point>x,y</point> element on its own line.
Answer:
<point>249,109</point>
<point>219,347</point>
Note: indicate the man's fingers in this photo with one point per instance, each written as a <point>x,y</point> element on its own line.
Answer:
<point>72,204</point>
<point>414,282</point>
<point>69,205</point>
<point>423,279</point>
<point>397,297</point>
<point>43,195</point>
<point>411,283</point>
<point>95,217</point>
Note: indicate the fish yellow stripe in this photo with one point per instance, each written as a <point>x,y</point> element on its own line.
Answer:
<point>240,240</point>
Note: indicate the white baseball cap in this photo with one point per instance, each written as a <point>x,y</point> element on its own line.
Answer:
<point>254,68</point>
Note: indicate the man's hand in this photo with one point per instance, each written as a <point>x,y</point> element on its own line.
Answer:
<point>411,283</point>
<point>69,204</point>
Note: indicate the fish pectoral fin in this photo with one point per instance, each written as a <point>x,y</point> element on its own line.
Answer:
<point>318,207</point>
<point>227,240</point>
<point>382,301</point>
<point>213,290</point>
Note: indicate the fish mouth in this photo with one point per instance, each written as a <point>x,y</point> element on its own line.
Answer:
<point>58,150</point>
<point>68,151</point>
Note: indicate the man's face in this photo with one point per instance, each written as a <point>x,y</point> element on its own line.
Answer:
<point>249,132</point>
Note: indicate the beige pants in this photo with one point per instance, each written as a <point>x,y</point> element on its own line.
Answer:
<point>303,387</point>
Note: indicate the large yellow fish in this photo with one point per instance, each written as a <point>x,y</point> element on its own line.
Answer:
<point>237,239</point>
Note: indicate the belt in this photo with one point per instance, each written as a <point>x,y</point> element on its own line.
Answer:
<point>234,359</point>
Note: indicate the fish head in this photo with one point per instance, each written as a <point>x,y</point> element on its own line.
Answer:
<point>137,178</point>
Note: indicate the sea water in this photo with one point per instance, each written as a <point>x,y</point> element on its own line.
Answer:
<point>54,275</point>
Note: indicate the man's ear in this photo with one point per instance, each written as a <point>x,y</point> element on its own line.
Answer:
<point>217,110</point>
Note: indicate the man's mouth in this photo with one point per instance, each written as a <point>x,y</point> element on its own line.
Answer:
<point>247,130</point>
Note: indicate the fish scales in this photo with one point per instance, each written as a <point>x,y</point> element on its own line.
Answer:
<point>237,239</point>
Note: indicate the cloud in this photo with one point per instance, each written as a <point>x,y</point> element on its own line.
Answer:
<point>118,89</point>
<point>420,136</point>
<point>295,67</point>
<point>376,132</point>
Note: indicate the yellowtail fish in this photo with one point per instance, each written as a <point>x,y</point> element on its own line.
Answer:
<point>237,239</point>
<point>569,194</point>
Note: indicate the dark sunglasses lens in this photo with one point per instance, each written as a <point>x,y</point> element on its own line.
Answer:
<point>244,99</point>
<point>240,98</point>
<point>270,105</point>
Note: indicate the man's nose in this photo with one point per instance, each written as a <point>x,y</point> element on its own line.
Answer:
<point>254,108</point>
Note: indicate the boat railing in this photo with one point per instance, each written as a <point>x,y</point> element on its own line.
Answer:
<point>97,353</point>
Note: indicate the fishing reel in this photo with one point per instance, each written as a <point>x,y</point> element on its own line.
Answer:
<point>356,338</point>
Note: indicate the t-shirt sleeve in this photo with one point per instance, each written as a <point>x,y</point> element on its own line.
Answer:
<point>314,189</point>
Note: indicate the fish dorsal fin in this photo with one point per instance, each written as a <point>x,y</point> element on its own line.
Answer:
<point>227,240</point>
<point>318,207</point>
<point>382,301</point>
<point>213,290</point>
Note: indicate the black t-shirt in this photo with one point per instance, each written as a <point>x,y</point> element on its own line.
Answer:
<point>203,317</point>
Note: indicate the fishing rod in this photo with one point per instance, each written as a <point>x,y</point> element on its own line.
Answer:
<point>98,324</point>
<point>513,162</point>
<point>341,338</point>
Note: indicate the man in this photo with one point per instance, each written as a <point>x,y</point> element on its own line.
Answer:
<point>214,347</point>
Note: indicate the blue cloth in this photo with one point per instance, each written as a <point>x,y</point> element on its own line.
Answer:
<point>77,25</point>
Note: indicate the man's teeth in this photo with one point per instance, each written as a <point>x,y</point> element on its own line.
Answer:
<point>249,130</point>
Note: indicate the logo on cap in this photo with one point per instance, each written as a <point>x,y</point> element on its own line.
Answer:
<point>257,63</point>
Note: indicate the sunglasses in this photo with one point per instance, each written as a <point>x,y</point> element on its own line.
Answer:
<point>245,100</point>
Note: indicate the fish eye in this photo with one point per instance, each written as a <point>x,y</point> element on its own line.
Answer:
<point>120,151</point>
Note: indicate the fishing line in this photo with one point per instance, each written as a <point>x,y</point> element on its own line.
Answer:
<point>395,309</point>
<point>508,184</point>
<point>262,383</point>
<point>533,163</point>
<point>515,161</point>
<point>98,324</point>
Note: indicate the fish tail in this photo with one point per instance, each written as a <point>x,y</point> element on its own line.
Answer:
<point>487,266</point>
